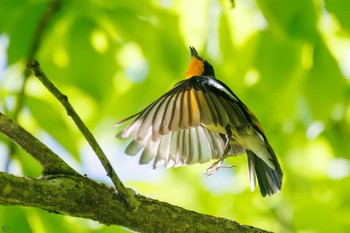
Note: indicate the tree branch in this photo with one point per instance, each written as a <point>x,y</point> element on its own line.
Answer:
<point>63,191</point>
<point>128,194</point>
<point>50,11</point>
<point>51,163</point>
<point>79,196</point>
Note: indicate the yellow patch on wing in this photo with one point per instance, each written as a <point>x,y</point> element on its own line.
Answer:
<point>196,68</point>
<point>255,121</point>
<point>195,113</point>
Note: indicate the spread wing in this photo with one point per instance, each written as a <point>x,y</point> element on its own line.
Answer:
<point>185,146</point>
<point>189,124</point>
<point>186,125</point>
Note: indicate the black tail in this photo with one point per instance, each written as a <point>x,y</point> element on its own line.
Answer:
<point>270,180</point>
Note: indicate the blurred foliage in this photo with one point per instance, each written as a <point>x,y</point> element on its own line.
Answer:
<point>287,60</point>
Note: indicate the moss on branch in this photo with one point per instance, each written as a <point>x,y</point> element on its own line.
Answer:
<point>79,196</point>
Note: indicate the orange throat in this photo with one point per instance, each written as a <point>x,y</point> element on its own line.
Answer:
<point>196,68</point>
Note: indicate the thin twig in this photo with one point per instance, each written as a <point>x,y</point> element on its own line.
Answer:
<point>126,193</point>
<point>50,11</point>
<point>52,164</point>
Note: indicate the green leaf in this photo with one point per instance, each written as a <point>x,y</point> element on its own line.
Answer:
<point>325,86</point>
<point>340,9</point>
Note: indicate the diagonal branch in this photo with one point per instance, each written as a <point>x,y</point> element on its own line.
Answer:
<point>81,197</point>
<point>50,11</point>
<point>52,8</point>
<point>126,193</point>
<point>51,163</point>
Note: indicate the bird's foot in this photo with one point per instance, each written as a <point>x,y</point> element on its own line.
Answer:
<point>215,167</point>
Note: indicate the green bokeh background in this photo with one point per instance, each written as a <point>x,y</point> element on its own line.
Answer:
<point>289,61</point>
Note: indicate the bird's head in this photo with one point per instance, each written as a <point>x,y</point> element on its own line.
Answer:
<point>199,66</point>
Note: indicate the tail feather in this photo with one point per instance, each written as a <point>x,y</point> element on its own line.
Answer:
<point>269,180</point>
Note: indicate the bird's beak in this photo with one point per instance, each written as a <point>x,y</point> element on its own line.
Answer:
<point>194,52</point>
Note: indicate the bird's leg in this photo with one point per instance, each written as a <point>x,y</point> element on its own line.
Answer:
<point>218,164</point>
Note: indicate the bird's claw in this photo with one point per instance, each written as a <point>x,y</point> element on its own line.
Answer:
<point>215,167</point>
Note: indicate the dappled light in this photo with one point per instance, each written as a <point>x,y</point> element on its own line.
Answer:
<point>288,61</point>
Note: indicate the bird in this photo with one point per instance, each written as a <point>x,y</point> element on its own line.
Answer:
<point>201,119</point>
